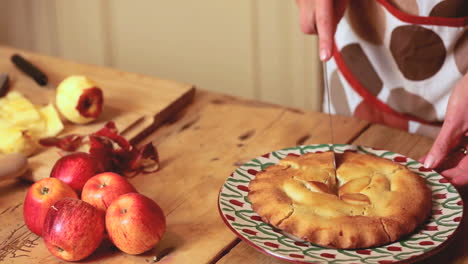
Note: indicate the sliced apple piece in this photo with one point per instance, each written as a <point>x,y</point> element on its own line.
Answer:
<point>15,140</point>
<point>20,112</point>
<point>16,106</point>
<point>22,124</point>
<point>52,120</point>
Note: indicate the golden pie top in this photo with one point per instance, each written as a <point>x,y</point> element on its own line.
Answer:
<point>371,201</point>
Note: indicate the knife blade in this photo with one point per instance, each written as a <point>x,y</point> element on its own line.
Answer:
<point>328,91</point>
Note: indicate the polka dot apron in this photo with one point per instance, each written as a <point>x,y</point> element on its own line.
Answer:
<point>398,67</point>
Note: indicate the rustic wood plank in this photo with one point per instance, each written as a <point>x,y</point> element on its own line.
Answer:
<point>220,134</point>
<point>245,254</point>
<point>198,150</point>
<point>383,137</point>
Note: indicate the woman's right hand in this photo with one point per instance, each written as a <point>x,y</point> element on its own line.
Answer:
<point>317,17</point>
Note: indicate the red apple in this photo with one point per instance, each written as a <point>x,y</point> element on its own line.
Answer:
<point>104,188</point>
<point>135,223</point>
<point>41,195</point>
<point>73,229</point>
<point>75,169</point>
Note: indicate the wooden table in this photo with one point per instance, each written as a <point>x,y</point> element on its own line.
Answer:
<point>199,147</point>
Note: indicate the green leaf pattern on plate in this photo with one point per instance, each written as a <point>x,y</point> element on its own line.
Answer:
<point>236,210</point>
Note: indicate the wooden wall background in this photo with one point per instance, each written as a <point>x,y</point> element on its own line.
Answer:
<point>248,48</point>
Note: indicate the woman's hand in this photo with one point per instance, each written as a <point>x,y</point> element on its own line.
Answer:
<point>446,153</point>
<point>317,17</point>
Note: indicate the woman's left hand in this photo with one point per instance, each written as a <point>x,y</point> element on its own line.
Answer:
<point>448,154</point>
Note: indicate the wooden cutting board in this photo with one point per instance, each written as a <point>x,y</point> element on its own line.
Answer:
<point>138,104</point>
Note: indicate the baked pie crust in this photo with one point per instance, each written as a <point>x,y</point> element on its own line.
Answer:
<point>372,201</point>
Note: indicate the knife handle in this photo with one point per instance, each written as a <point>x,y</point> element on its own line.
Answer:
<point>31,70</point>
<point>4,84</point>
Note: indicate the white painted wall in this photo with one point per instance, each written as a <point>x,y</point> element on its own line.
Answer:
<point>249,48</point>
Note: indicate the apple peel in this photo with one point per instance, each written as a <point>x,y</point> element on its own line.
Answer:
<point>112,150</point>
<point>67,143</point>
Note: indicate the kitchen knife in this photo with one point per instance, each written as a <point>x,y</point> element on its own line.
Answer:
<point>327,89</point>
<point>29,69</point>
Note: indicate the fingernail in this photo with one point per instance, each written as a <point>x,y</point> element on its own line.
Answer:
<point>429,161</point>
<point>323,54</point>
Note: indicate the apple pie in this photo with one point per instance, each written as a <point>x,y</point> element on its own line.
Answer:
<point>370,201</point>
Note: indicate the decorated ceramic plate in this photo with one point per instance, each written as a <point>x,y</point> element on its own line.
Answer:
<point>237,213</point>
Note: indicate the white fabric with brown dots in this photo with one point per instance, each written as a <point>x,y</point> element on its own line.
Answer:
<point>410,68</point>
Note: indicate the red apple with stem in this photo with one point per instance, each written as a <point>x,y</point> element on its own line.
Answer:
<point>101,189</point>
<point>40,196</point>
<point>135,223</point>
<point>75,169</point>
<point>73,229</point>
